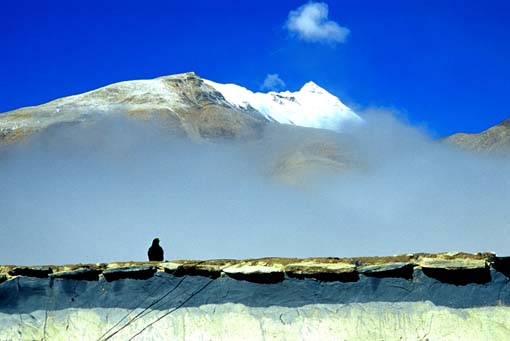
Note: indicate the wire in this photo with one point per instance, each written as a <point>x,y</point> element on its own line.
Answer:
<point>171,311</point>
<point>140,314</point>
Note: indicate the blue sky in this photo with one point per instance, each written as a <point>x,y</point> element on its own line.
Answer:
<point>443,64</point>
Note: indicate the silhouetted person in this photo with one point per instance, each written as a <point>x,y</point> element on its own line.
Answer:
<point>155,251</point>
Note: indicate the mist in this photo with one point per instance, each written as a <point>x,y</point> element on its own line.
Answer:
<point>100,192</point>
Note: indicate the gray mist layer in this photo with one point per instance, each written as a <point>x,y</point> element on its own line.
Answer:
<point>101,192</point>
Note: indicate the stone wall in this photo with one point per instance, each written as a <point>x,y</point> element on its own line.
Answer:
<point>446,296</point>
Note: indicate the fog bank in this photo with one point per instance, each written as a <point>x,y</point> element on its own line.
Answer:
<point>100,192</point>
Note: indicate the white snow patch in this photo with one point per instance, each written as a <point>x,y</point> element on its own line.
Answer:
<point>311,106</point>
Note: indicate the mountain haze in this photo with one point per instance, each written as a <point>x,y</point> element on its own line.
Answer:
<point>202,110</point>
<point>218,170</point>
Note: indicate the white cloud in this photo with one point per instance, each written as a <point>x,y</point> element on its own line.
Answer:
<point>273,82</point>
<point>310,23</point>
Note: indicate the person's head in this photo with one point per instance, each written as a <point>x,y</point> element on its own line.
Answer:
<point>155,241</point>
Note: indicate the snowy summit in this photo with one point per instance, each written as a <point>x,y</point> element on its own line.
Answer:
<point>311,106</point>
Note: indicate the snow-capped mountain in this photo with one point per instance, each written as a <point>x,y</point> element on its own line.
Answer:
<point>311,106</point>
<point>201,108</point>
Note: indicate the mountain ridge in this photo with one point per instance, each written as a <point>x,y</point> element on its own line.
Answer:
<point>186,101</point>
<point>203,110</point>
<point>174,99</point>
<point>493,139</point>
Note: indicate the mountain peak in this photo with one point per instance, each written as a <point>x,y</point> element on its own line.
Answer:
<point>312,87</point>
<point>190,74</point>
<point>311,106</point>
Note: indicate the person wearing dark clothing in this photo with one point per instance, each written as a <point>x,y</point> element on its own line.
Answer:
<point>155,251</point>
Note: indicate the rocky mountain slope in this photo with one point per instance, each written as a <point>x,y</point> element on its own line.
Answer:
<point>183,103</point>
<point>447,296</point>
<point>186,103</point>
<point>494,139</point>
